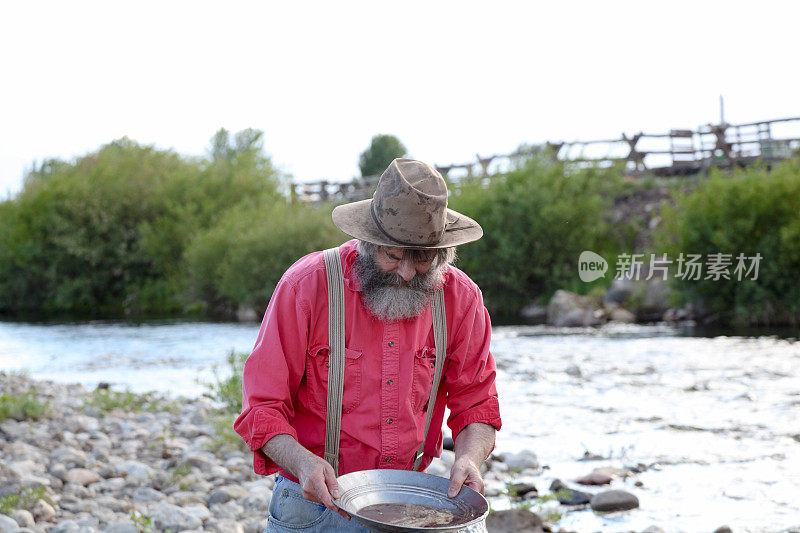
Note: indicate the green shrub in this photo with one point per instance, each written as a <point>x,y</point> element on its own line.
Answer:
<point>25,499</point>
<point>239,261</point>
<point>754,211</point>
<point>536,221</point>
<point>104,235</point>
<point>108,400</point>
<point>24,407</point>
<point>226,392</point>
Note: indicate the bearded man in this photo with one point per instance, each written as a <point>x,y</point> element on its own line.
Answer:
<point>402,254</point>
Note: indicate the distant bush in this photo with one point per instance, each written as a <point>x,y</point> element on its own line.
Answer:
<point>108,400</point>
<point>105,234</point>
<point>226,392</point>
<point>755,211</point>
<point>239,261</point>
<point>536,221</point>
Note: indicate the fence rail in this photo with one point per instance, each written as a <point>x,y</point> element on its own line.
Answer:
<point>679,152</point>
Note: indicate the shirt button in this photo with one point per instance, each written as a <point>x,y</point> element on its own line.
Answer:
<point>433,365</point>
<point>391,343</point>
<point>390,382</point>
<point>388,459</point>
<point>388,420</point>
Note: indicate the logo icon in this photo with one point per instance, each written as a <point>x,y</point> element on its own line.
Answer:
<point>591,266</point>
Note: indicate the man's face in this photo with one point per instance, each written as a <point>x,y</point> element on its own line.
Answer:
<point>405,262</point>
<point>397,283</point>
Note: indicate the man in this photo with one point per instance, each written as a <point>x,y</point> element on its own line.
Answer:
<point>405,240</point>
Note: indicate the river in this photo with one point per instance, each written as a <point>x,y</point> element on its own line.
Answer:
<point>714,419</point>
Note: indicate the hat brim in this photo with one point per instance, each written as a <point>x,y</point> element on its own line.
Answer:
<point>355,219</point>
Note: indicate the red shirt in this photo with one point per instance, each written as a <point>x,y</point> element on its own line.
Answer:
<point>388,372</point>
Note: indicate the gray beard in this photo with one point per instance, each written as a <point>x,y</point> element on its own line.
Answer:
<point>388,298</point>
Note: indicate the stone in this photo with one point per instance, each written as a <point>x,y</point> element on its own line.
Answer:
<point>723,529</point>
<point>69,457</point>
<point>567,309</point>
<point>121,526</point>
<point>621,315</point>
<point>168,516</point>
<point>146,495</point>
<point>82,476</point>
<point>23,518</point>
<point>65,526</point>
<point>574,497</point>
<point>199,510</point>
<point>8,524</point>
<point>614,500</point>
<point>534,314</point>
<point>448,444</point>
<point>229,526</point>
<point>574,371</point>
<point>43,511</point>
<point>521,460</point>
<point>438,468</point>
<point>594,478</point>
<point>521,489</point>
<point>514,521</point>
<point>134,469</point>
<point>653,529</point>
<point>613,472</point>
<point>258,525</point>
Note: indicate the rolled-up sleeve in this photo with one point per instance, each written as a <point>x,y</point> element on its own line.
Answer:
<point>272,374</point>
<point>470,372</point>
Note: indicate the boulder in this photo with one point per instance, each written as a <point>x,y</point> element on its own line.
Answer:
<point>567,309</point>
<point>594,478</point>
<point>82,476</point>
<point>23,518</point>
<point>8,525</point>
<point>520,461</point>
<point>167,516</point>
<point>614,500</point>
<point>514,521</point>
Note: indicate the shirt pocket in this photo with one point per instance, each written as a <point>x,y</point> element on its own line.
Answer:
<point>424,367</point>
<point>317,364</point>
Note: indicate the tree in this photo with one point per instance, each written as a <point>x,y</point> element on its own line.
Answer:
<point>382,150</point>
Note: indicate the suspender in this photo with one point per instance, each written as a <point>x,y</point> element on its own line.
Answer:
<point>333,422</point>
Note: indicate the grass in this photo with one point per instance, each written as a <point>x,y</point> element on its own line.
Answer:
<point>23,407</point>
<point>107,400</point>
<point>25,499</point>
<point>226,392</point>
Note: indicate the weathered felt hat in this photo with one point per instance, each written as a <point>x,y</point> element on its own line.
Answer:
<point>408,209</point>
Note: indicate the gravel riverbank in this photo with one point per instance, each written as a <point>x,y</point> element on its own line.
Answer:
<point>155,466</point>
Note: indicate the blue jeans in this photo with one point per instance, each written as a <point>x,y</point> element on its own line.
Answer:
<point>290,512</point>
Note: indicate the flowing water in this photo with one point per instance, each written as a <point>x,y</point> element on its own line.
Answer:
<point>713,419</point>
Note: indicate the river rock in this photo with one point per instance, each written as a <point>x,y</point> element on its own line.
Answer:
<point>521,460</point>
<point>621,315</point>
<point>8,524</point>
<point>257,525</point>
<point>574,497</point>
<point>522,489</point>
<point>147,495</point>
<point>723,529</point>
<point>23,518</point>
<point>594,478</point>
<point>514,521</point>
<point>225,526</point>
<point>567,309</point>
<point>66,526</point>
<point>134,470</point>
<point>168,516</point>
<point>653,529</point>
<point>82,476</point>
<point>199,510</point>
<point>69,457</point>
<point>614,500</point>
<point>43,511</point>
<point>121,526</point>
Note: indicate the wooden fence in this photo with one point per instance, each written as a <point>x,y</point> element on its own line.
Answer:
<point>676,153</point>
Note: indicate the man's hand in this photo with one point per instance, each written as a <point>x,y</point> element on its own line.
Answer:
<point>314,473</point>
<point>464,472</point>
<point>472,446</point>
<point>318,482</point>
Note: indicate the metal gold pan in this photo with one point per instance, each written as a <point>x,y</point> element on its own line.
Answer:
<point>407,501</point>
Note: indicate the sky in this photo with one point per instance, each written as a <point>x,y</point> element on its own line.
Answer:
<point>450,79</point>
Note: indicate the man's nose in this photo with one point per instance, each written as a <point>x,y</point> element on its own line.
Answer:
<point>406,269</point>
